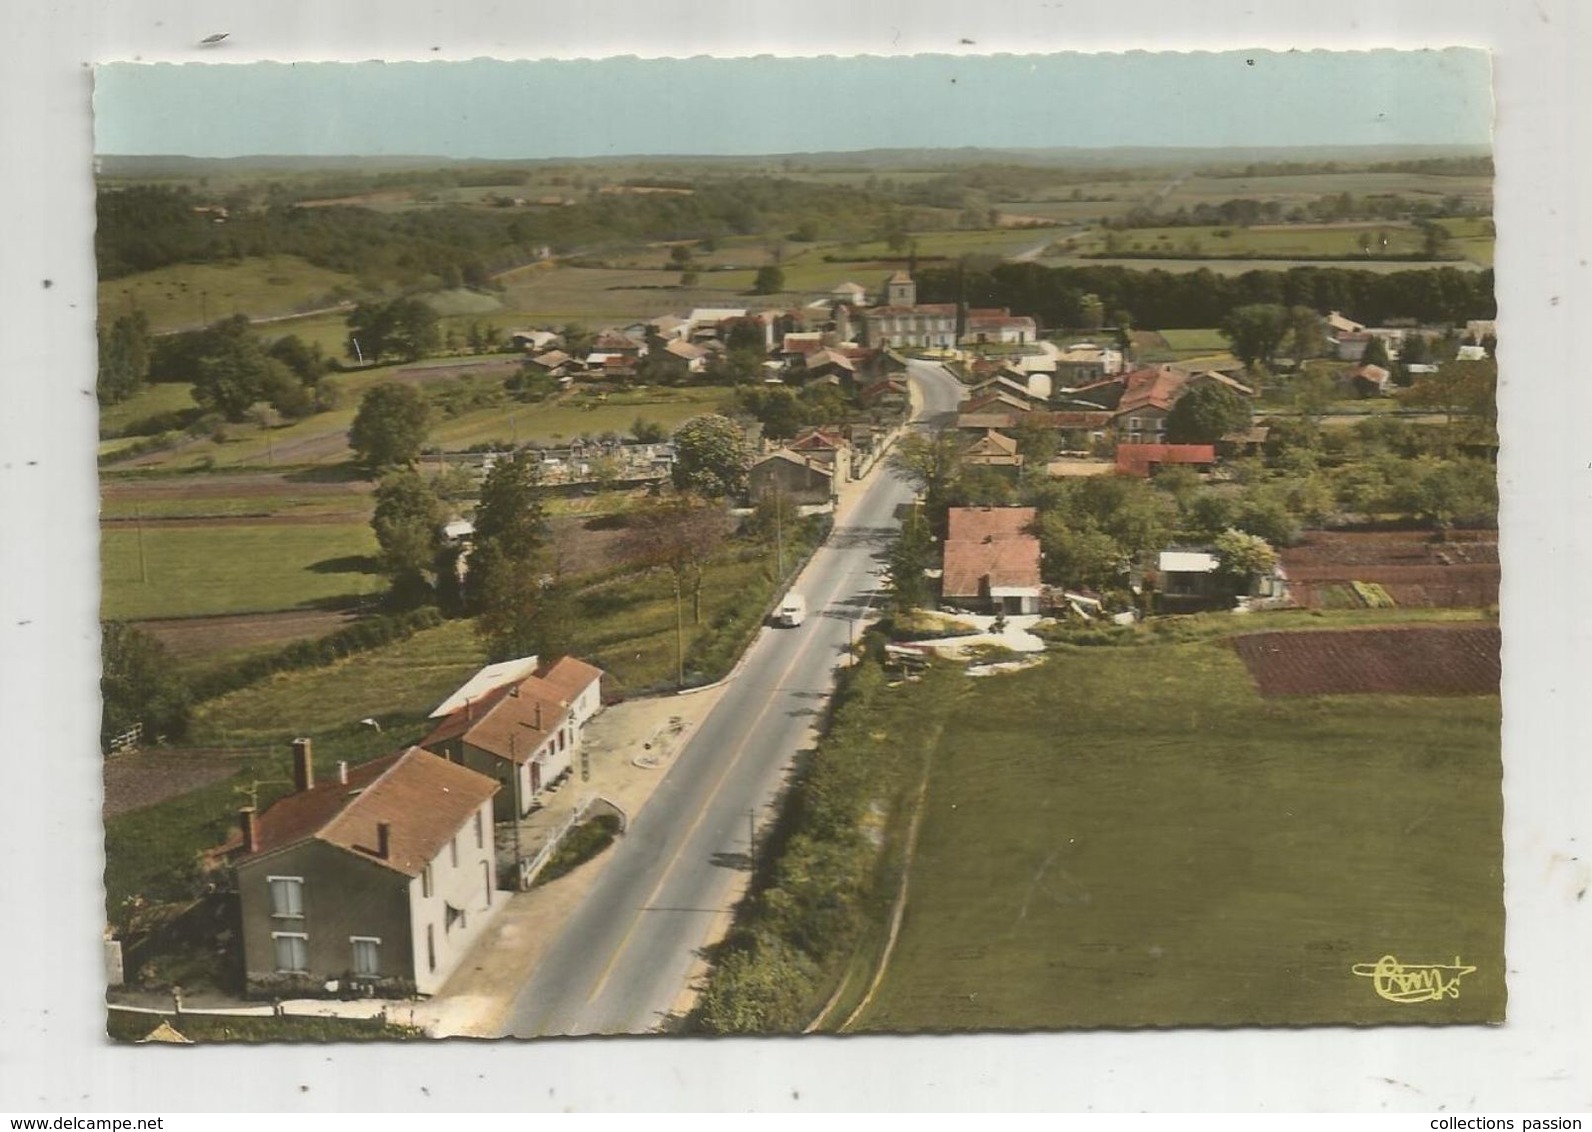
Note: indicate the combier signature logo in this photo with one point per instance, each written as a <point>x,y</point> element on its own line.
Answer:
<point>1413,982</point>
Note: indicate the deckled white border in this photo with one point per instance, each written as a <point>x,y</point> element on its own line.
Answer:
<point>51,1057</point>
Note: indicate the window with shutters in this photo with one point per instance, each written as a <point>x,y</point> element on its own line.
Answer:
<point>287,897</point>
<point>292,952</point>
<point>367,956</point>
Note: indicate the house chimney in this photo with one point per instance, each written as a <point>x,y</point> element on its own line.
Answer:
<point>303,766</point>
<point>538,715</point>
<point>342,772</point>
<point>383,839</point>
<point>249,819</point>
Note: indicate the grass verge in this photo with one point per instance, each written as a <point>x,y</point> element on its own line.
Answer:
<point>133,1026</point>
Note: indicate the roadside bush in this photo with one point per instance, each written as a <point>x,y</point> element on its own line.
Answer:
<point>580,845</point>
<point>1092,634</point>
<point>362,636</point>
<point>827,872</point>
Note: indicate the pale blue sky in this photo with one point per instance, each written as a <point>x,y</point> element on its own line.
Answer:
<point>492,109</point>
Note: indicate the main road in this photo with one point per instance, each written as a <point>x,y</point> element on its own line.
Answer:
<point>622,961</point>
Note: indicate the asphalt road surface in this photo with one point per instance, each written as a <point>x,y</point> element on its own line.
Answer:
<point>621,964</point>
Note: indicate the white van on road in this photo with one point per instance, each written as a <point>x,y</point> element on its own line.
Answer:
<point>792,611</point>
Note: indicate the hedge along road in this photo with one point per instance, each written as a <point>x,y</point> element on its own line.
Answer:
<point>621,963</point>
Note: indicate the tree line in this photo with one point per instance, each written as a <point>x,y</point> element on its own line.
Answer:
<point>1165,300</point>
<point>1242,212</point>
<point>143,227</point>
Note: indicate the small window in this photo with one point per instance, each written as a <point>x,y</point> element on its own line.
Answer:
<point>453,850</point>
<point>287,897</point>
<point>292,952</point>
<point>453,916</point>
<point>367,956</point>
<point>486,880</point>
<point>431,947</point>
<point>480,834</point>
<point>425,882</point>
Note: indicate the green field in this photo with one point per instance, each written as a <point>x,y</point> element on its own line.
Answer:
<point>190,295</point>
<point>1188,853</point>
<point>1195,341</point>
<point>406,679</point>
<point>626,627</point>
<point>152,401</point>
<point>1283,241</point>
<point>570,417</point>
<point>192,571</point>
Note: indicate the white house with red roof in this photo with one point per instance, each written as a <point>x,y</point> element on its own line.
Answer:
<point>522,732</point>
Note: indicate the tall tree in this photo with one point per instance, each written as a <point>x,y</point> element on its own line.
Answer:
<point>405,327</point>
<point>1313,392</point>
<point>1460,390</point>
<point>931,463</point>
<point>408,526</point>
<point>390,428</point>
<point>124,357</point>
<point>1256,331</point>
<point>710,457</point>
<point>1306,337</point>
<point>680,534</point>
<point>1205,414</point>
<point>235,373</point>
<point>515,580</point>
<point>770,280</point>
<point>908,559</point>
<point>139,685</point>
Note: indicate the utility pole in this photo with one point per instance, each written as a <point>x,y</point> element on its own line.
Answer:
<point>679,635</point>
<point>779,537</point>
<point>514,772</point>
<point>143,566</point>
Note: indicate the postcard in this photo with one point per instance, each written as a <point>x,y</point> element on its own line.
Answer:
<point>1012,546</point>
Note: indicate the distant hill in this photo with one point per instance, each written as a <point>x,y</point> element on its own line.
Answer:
<point>174,165</point>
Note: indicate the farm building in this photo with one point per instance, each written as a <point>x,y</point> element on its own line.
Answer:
<point>1191,579</point>
<point>1145,460</point>
<point>382,877</point>
<point>534,341</point>
<point>991,561</point>
<point>993,450</point>
<point>852,294</point>
<point>798,477</point>
<point>998,326</point>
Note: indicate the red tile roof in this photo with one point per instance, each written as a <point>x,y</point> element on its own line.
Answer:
<point>571,676</point>
<point>423,800</point>
<point>992,402</point>
<point>1070,419</point>
<point>813,439</point>
<point>514,720</point>
<point>1137,459</point>
<point>987,546</point>
<point>1157,388</point>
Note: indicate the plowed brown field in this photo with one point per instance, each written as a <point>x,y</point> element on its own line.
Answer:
<point>1425,660</point>
<point>1461,572</point>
